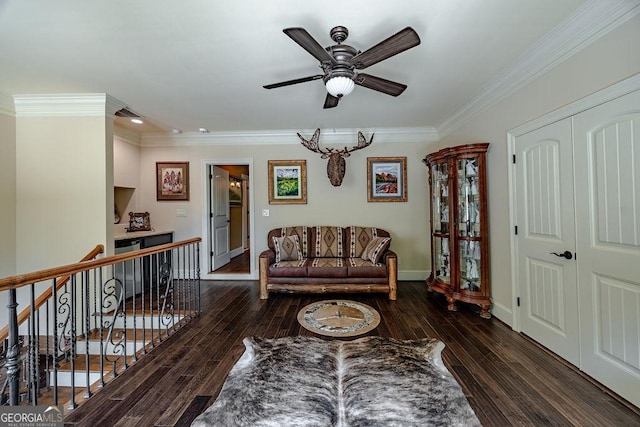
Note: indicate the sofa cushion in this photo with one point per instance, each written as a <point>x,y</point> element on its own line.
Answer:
<point>358,238</point>
<point>287,248</point>
<point>375,249</point>
<point>358,267</point>
<point>326,267</point>
<point>327,242</point>
<point>294,268</point>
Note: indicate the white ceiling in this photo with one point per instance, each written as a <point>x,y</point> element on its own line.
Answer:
<point>191,64</point>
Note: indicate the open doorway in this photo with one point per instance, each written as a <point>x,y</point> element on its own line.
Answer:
<point>230,253</point>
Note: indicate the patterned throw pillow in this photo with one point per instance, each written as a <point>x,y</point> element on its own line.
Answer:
<point>375,249</point>
<point>287,248</point>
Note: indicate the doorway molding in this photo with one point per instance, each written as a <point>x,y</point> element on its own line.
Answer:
<point>207,247</point>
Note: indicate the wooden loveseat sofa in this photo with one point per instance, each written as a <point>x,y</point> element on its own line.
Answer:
<point>319,259</point>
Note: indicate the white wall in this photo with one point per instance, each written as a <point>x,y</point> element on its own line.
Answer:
<point>609,60</point>
<point>327,205</point>
<point>126,179</point>
<point>126,156</point>
<point>7,195</point>
<point>64,167</point>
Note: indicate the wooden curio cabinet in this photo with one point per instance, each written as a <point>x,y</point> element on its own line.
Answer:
<point>459,230</point>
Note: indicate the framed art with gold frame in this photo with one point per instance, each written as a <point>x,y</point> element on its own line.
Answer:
<point>287,182</point>
<point>386,179</point>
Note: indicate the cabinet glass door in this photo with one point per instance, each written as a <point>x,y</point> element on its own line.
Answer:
<point>469,224</point>
<point>441,221</point>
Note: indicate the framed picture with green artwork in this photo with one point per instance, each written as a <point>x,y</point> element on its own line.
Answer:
<point>287,182</point>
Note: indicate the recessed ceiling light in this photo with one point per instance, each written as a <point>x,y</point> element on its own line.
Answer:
<point>137,121</point>
<point>203,130</point>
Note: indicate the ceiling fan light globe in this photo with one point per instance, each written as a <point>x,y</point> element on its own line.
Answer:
<point>340,86</point>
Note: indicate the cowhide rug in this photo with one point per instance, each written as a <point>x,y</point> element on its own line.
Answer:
<point>371,381</point>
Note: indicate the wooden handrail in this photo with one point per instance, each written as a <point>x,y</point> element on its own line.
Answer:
<point>14,282</point>
<point>40,301</point>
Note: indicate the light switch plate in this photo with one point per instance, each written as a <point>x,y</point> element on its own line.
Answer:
<point>265,212</point>
<point>181,212</point>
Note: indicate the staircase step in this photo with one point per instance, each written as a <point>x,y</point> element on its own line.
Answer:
<point>147,320</point>
<point>80,367</point>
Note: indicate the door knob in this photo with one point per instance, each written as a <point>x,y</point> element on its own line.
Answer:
<point>565,254</point>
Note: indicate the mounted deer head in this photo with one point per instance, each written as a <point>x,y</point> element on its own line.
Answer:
<point>337,166</point>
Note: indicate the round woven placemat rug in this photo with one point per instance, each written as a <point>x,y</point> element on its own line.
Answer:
<point>338,318</point>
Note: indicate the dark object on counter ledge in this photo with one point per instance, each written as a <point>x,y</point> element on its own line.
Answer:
<point>139,221</point>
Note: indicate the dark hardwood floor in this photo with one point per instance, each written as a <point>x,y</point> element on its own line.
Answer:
<point>238,264</point>
<point>507,379</point>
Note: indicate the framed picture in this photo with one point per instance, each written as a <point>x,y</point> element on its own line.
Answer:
<point>287,182</point>
<point>235,191</point>
<point>139,221</point>
<point>386,179</point>
<point>172,180</point>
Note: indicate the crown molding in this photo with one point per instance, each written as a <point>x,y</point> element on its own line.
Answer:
<point>590,22</point>
<point>288,136</point>
<point>66,105</point>
<point>7,107</point>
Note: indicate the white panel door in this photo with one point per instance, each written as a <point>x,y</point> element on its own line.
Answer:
<point>219,217</point>
<point>607,153</point>
<point>546,230</point>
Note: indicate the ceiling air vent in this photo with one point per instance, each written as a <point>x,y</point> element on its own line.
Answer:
<point>127,113</point>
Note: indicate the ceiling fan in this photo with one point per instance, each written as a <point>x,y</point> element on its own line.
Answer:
<point>340,63</point>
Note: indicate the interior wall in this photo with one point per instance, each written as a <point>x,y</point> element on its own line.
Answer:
<point>608,60</point>
<point>326,205</point>
<point>64,173</point>
<point>8,195</point>
<point>126,179</point>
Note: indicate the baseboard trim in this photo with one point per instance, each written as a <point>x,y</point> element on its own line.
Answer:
<point>235,252</point>
<point>503,313</point>
<point>413,275</point>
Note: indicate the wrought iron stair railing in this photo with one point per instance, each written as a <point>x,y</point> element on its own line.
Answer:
<point>107,314</point>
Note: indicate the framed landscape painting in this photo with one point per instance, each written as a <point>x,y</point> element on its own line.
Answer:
<point>386,179</point>
<point>287,182</point>
<point>172,180</point>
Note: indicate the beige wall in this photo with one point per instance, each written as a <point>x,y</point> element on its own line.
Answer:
<point>7,195</point>
<point>64,168</point>
<point>327,205</point>
<point>607,61</point>
<point>126,179</point>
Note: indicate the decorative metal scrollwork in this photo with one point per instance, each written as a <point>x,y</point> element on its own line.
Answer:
<point>166,282</point>
<point>113,304</point>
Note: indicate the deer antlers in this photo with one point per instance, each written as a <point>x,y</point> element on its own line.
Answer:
<point>314,146</point>
<point>336,167</point>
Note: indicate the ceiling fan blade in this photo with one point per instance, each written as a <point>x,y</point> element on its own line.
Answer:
<point>397,43</point>
<point>331,101</point>
<point>308,43</point>
<point>379,84</point>
<point>293,82</point>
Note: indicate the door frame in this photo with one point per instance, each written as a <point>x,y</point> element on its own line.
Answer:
<point>207,245</point>
<point>614,91</point>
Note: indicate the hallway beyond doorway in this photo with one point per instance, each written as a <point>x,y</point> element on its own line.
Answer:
<point>238,264</point>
